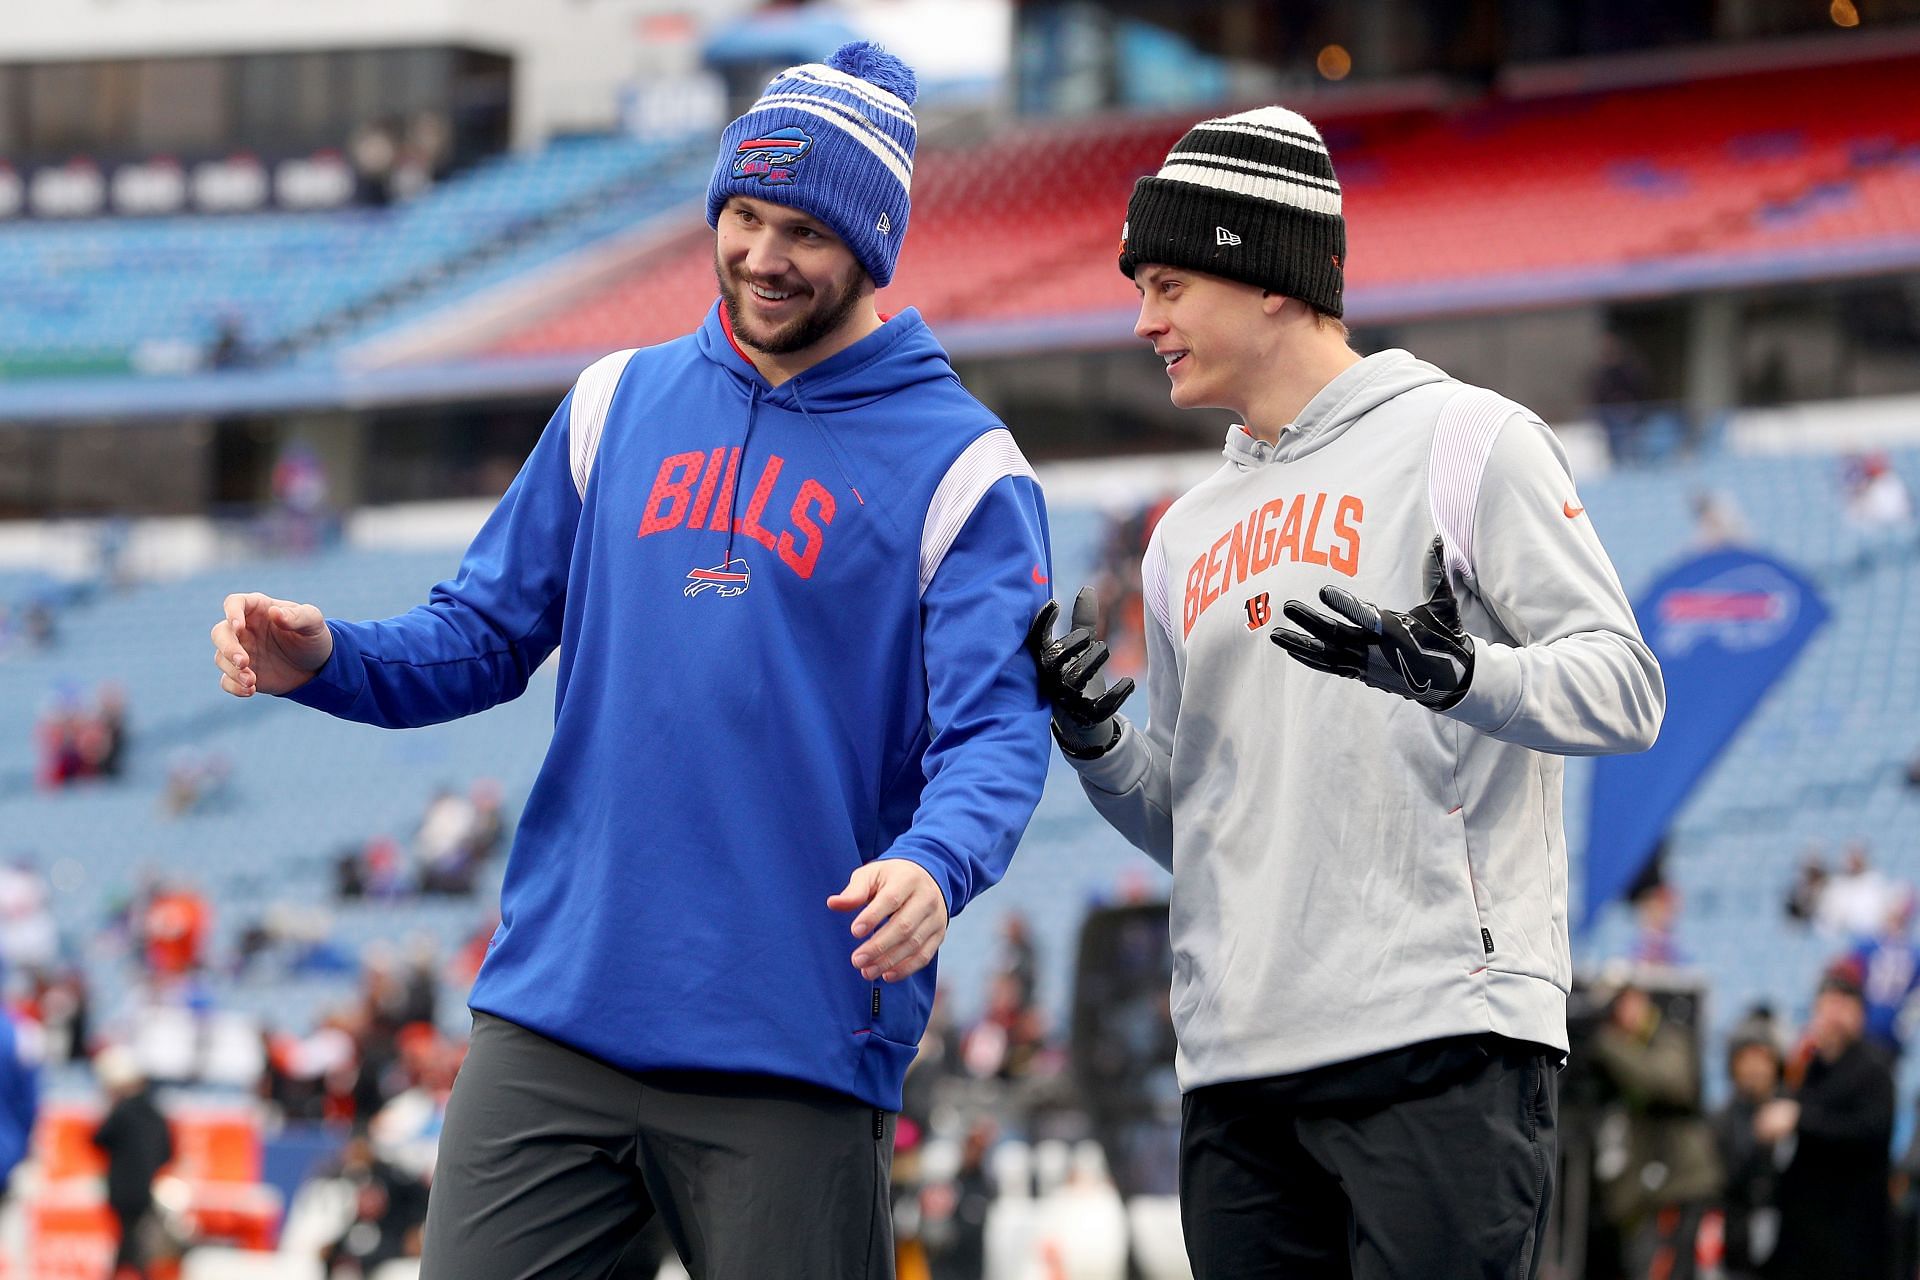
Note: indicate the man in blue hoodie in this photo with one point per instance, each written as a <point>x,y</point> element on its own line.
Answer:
<point>787,561</point>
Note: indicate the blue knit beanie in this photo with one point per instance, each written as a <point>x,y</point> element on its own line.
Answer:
<point>835,140</point>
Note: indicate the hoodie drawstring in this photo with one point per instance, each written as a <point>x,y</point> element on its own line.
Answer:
<point>732,496</point>
<point>826,438</point>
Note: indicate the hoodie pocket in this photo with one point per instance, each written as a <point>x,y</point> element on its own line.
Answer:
<point>1476,934</point>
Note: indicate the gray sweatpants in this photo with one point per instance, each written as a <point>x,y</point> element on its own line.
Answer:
<point>551,1162</point>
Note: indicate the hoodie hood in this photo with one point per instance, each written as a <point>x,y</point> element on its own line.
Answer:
<point>899,354</point>
<point>1359,390</point>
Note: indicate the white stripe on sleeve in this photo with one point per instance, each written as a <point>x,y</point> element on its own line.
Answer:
<point>980,466</point>
<point>1153,586</point>
<point>592,397</point>
<point>1463,440</point>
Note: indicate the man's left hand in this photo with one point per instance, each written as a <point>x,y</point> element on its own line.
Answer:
<point>902,902</point>
<point>1424,655</point>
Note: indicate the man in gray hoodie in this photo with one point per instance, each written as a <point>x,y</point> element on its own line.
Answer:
<point>1369,907</point>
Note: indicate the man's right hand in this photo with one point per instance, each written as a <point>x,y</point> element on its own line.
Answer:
<point>1083,705</point>
<point>265,645</point>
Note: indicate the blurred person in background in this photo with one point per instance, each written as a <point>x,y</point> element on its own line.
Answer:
<point>61,729</point>
<point>1006,1043</point>
<point>1018,958</point>
<point>1857,897</point>
<point>59,1006</point>
<point>1718,520</point>
<point>299,517</point>
<point>110,718</point>
<point>1662,1171</point>
<point>1887,969</point>
<point>1369,917</point>
<point>1835,1216</point>
<point>173,928</point>
<point>1656,908</point>
<point>195,781</point>
<point>956,1210</point>
<point>29,935</point>
<point>839,549</point>
<point>443,845</point>
<point>1747,1197</point>
<point>389,1208</point>
<point>137,1143</point>
<point>1621,388</point>
<point>1879,509</point>
<point>489,800</point>
<point>1808,888</point>
<point>1117,579</point>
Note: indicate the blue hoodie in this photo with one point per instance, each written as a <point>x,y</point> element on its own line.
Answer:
<point>790,623</point>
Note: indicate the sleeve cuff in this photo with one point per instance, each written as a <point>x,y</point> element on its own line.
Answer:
<point>942,877</point>
<point>1119,769</point>
<point>1493,699</point>
<point>337,685</point>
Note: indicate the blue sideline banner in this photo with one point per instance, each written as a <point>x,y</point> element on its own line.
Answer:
<point>1725,625</point>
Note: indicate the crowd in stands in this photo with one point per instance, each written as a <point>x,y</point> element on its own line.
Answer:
<point>1789,1179</point>
<point>1792,1176</point>
<point>457,836</point>
<point>80,738</point>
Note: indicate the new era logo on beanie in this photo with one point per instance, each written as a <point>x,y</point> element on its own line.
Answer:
<point>834,139</point>
<point>1250,197</point>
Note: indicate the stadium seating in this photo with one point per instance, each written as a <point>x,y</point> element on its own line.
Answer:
<point>1585,189</point>
<point>108,292</point>
<point>1590,187</point>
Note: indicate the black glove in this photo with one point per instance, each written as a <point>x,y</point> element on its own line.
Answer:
<point>1424,655</point>
<point>1083,705</point>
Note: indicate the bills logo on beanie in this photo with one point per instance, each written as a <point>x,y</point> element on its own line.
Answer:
<point>834,139</point>
<point>1250,197</point>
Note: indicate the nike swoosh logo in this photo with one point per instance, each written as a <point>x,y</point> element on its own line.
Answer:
<point>1418,686</point>
<point>1570,510</point>
<point>1039,578</point>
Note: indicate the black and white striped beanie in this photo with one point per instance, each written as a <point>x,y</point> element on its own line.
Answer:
<point>1251,197</point>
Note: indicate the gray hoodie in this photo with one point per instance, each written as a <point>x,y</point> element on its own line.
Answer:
<point>1352,872</point>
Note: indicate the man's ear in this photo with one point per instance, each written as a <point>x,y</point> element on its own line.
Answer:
<point>1273,303</point>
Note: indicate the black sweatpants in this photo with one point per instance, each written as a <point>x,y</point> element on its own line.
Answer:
<point>1428,1163</point>
<point>551,1162</point>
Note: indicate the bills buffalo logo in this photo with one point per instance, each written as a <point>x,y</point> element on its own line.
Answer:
<point>772,156</point>
<point>1738,616</point>
<point>730,579</point>
<point>1738,610</point>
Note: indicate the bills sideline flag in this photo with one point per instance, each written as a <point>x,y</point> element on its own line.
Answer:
<point>1725,625</point>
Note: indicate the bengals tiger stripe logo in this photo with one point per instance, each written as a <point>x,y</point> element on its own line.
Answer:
<point>1259,612</point>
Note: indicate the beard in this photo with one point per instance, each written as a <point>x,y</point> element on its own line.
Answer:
<point>828,312</point>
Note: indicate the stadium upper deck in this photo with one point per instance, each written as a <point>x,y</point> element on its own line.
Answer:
<point>1740,179</point>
